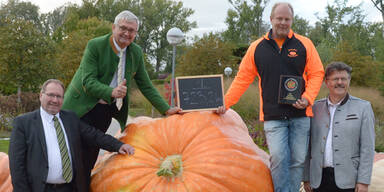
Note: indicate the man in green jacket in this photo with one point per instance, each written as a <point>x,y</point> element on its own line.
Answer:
<point>93,91</point>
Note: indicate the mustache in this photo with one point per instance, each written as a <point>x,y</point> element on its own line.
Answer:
<point>339,86</point>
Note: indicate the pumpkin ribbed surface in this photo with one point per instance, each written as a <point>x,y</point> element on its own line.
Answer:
<point>197,151</point>
<point>5,177</point>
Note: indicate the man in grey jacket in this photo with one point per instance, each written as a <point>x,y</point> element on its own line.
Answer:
<point>342,140</point>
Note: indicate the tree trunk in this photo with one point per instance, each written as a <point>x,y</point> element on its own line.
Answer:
<point>158,65</point>
<point>19,94</point>
<point>382,23</point>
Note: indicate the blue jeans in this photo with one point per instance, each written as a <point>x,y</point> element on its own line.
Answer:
<point>288,145</point>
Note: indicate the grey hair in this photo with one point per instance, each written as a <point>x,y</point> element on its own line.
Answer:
<point>49,81</point>
<point>128,16</point>
<point>337,66</point>
<point>282,3</point>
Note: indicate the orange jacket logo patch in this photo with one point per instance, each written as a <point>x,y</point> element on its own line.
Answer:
<point>292,53</point>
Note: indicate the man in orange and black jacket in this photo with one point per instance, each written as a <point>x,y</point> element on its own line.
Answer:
<point>281,52</point>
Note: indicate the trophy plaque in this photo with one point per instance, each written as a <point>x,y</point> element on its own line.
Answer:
<point>290,89</point>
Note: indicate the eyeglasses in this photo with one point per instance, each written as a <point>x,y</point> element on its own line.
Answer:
<point>52,96</point>
<point>343,79</point>
<point>125,29</point>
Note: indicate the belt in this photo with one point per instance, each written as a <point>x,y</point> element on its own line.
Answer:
<point>328,169</point>
<point>56,186</point>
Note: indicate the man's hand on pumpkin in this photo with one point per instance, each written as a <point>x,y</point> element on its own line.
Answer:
<point>127,149</point>
<point>221,110</point>
<point>173,110</point>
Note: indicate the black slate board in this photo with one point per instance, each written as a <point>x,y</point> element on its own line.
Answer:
<point>195,93</point>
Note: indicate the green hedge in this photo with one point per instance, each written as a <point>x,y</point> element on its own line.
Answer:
<point>10,108</point>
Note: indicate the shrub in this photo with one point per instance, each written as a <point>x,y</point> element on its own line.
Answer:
<point>379,130</point>
<point>158,81</point>
<point>10,108</point>
<point>6,122</point>
<point>140,106</point>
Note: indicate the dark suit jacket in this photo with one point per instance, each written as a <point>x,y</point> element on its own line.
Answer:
<point>28,152</point>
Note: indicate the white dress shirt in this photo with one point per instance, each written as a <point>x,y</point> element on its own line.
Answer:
<point>55,169</point>
<point>328,155</point>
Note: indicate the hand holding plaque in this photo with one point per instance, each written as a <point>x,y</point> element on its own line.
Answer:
<point>290,89</point>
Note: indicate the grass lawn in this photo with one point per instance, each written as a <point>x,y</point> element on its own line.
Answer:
<point>4,146</point>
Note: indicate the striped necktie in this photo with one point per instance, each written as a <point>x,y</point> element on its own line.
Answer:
<point>66,163</point>
<point>120,78</point>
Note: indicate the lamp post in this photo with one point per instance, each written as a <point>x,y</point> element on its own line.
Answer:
<point>174,37</point>
<point>227,71</point>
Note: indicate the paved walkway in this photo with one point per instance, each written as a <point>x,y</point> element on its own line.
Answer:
<point>112,130</point>
<point>378,156</point>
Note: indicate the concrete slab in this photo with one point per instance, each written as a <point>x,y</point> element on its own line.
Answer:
<point>112,130</point>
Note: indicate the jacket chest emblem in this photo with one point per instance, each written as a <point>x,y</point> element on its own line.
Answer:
<point>292,53</point>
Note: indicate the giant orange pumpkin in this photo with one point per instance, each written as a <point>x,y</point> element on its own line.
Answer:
<point>5,177</point>
<point>197,151</point>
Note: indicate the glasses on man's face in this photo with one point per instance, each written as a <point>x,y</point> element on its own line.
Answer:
<point>337,79</point>
<point>126,29</point>
<point>52,96</point>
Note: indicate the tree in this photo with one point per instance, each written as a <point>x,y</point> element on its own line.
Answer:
<point>378,50</point>
<point>156,18</point>
<point>245,21</point>
<point>342,24</point>
<point>70,50</point>
<point>379,4</point>
<point>16,10</point>
<point>364,69</point>
<point>316,33</point>
<point>300,26</point>
<point>377,41</point>
<point>339,15</point>
<point>52,23</point>
<point>209,55</point>
<point>26,55</point>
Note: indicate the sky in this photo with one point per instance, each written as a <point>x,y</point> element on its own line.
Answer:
<point>210,14</point>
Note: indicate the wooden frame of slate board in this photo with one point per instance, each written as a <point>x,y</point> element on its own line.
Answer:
<point>200,93</point>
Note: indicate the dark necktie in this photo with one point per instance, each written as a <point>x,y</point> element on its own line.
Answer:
<point>66,163</point>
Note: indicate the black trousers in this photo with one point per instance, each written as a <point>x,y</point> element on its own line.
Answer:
<point>328,183</point>
<point>99,117</point>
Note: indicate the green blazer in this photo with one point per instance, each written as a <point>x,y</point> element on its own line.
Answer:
<point>98,65</point>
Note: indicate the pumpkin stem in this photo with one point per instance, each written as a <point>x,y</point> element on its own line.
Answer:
<point>171,166</point>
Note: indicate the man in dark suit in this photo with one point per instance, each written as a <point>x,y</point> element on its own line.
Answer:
<point>45,147</point>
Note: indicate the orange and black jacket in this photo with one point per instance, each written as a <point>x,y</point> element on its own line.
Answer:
<point>265,60</point>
